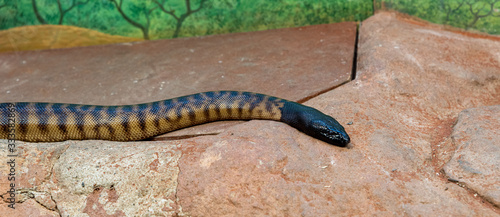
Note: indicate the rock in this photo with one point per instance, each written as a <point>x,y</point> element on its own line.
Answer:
<point>27,208</point>
<point>100,178</point>
<point>476,161</point>
<point>402,105</point>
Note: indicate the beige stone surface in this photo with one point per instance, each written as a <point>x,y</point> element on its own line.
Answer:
<point>476,161</point>
<point>413,80</point>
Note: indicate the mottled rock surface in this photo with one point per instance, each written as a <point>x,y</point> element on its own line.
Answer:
<point>413,80</point>
<point>476,161</point>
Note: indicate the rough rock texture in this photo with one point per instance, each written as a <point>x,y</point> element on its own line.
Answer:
<point>476,161</point>
<point>413,80</point>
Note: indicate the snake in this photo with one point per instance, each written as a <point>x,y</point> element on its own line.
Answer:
<point>54,122</point>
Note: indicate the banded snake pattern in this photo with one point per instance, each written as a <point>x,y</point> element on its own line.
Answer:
<point>51,122</point>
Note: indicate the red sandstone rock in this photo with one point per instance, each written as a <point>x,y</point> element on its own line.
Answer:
<point>413,80</point>
<point>476,161</point>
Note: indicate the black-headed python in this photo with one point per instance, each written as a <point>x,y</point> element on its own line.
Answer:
<point>51,122</point>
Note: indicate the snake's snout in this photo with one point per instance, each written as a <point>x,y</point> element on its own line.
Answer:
<point>329,130</point>
<point>315,123</point>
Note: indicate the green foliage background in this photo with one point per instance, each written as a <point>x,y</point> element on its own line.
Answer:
<point>153,19</point>
<point>482,15</point>
<point>214,17</point>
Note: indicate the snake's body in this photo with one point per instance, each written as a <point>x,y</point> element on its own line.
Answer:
<point>51,122</point>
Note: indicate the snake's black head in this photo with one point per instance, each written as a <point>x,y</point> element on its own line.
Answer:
<point>316,124</point>
<point>329,130</point>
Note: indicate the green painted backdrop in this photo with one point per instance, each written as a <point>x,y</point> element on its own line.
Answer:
<point>132,20</point>
<point>481,15</point>
<point>154,19</point>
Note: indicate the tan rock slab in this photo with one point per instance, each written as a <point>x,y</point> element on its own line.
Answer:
<point>476,161</point>
<point>413,81</point>
<point>96,178</point>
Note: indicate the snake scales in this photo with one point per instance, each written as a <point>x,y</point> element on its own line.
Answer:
<point>50,122</point>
